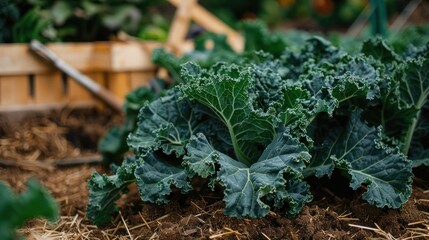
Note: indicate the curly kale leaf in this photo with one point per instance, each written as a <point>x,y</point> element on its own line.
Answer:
<point>156,176</point>
<point>358,150</point>
<point>403,112</point>
<point>414,91</point>
<point>225,90</point>
<point>166,123</point>
<point>249,191</point>
<point>259,38</point>
<point>105,190</point>
<point>378,49</point>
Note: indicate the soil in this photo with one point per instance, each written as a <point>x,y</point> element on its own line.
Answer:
<point>31,147</point>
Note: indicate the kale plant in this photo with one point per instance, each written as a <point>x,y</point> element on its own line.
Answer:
<point>260,125</point>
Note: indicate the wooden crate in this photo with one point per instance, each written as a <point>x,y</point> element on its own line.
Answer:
<point>29,83</point>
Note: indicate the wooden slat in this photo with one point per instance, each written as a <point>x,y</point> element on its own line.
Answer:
<point>16,59</point>
<point>131,56</point>
<point>138,79</point>
<point>14,90</point>
<point>48,88</point>
<point>119,84</point>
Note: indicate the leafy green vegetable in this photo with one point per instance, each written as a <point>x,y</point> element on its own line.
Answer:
<point>226,93</point>
<point>248,190</point>
<point>105,190</point>
<point>114,144</point>
<point>258,38</point>
<point>17,209</point>
<point>155,177</point>
<point>166,123</point>
<point>413,90</point>
<point>67,20</point>
<point>378,49</point>
<point>358,150</point>
<point>259,125</point>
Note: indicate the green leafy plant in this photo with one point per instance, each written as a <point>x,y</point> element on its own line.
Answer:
<point>17,209</point>
<point>260,124</point>
<point>66,20</point>
<point>9,15</point>
<point>114,145</point>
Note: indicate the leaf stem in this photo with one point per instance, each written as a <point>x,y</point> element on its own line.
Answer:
<point>409,135</point>
<point>239,154</point>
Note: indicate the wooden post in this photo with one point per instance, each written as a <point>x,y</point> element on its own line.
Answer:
<point>180,26</point>
<point>213,24</point>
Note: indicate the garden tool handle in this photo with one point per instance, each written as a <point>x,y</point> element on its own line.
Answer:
<point>97,90</point>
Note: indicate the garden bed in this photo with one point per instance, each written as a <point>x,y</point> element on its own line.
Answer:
<point>37,144</point>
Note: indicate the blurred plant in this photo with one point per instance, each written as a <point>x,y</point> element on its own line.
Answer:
<point>9,14</point>
<point>409,38</point>
<point>338,12</point>
<point>273,12</point>
<point>232,11</point>
<point>16,209</point>
<point>67,20</point>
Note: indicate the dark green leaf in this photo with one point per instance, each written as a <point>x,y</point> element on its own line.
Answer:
<point>378,49</point>
<point>105,190</point>
<point>166,123</point>
<point>276,177</point>
<point>155,178</point>
<point>357,150</point>
<point>225,90</point>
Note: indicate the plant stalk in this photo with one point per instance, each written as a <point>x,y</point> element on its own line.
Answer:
<point>409,135</point>
<point>241,157</point>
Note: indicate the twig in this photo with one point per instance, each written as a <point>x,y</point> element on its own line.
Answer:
<point>230,232</point>
<point>50,165</point>
<point>344,217</point>
<point>418,222</point>
<point>25,164</point>
<point>78,160</point>
<point>377,230</point>
<point>144,220</point>
<point>147,223</point>
<point>265,236</point>
<point>126,226</point>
